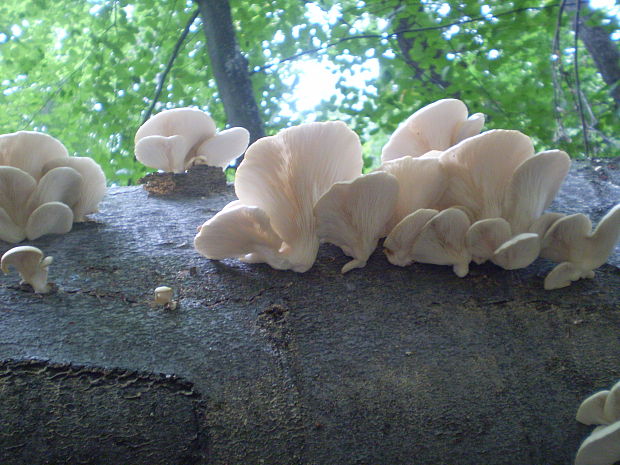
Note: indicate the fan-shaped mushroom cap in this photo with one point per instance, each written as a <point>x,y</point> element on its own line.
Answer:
<point>421,183</point>
<point>601,408</point>
<point>286,174</point>
<point>61,184</point>
<point>168,140</point>
<point>602,447</point>
<point>533,187</point>
<point>30,264</point>
<point>223,148</point>
<point>354,215</point>
<point>399,243</point>
<point>485,236</point>
<point>241,232</point>
<point>480,169</point>
<point>592,410</point>
<point>570,241</point>
<point>437,126</point>
<point>93,186</point>
<point>29,151</point>
<point>442,241</point>
<point>16,187</point>
<point>518,252</point>
<point>49,218</point>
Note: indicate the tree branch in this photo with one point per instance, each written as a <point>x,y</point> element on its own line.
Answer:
<point>582,116</point>
<point>395,34</point>
<point>173,56</point>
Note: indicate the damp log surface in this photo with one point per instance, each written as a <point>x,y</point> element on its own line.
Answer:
<point>381,365</point>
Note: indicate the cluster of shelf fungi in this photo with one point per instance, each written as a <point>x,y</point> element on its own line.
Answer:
<point>444,194</point>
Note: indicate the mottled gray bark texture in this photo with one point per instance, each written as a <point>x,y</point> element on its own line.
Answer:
<point>384,365</point>
<point>602,49</point>
<point>230,67</point>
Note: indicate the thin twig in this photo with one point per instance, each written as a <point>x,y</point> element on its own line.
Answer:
<point>582,115</point>
<point>394,34</point>
<point>173,56</point>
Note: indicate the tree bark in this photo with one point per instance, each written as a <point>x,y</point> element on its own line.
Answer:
<point>230,67</point>
<point>602,49</point>
<point>605,54</point>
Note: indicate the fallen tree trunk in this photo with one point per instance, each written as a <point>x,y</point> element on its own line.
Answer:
<point>382,365</point>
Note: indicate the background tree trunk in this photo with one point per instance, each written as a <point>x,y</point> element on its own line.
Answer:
<point>230,68</point>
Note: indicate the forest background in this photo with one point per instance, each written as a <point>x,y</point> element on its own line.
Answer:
<point>89,72</point>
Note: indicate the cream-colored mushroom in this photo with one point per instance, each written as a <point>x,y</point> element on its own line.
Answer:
<point>29,151</point>
<point>282,177</point>
<point>496,174</point>
<point>176,139</point>
<point>30,264</point>
<point>571,242</point>
<point>399,242</point>
<point>437,126</point>
<point>354,215</point>
<point>163,296</point>
<point>92,188</point>
<point>602,447</point>
<point>421,183</point>
<point>442,241</point>
<point>41,176</point>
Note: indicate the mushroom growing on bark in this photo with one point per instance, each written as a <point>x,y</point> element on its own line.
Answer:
<point>496,174</point>
<point>177,139</point>
<point>421,183</point>
<point>437,126</point>
<point>42,189</point>
<point>31,264</point>
<point>354,215</point>
<point>579,250</point>
<point>602,447</point>
<point>278,183</point>
<point>428,236</point>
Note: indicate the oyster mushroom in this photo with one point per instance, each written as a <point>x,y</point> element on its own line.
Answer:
<point>602,447</point>
<point>176,139</point>
<point>30,264</point>
<point>278,183</point>
<point>496,174</point>
<point>43,190</point>
<point>579,250</point>
<point>421,183</point>
<point>354,215</point>
<point>437,126</point>
<point>399,242</point>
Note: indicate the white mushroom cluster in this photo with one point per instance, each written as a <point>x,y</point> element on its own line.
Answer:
<point>602,447</point>
<point>445,194</point>
<point>175,140</point>
<point>42,189</point>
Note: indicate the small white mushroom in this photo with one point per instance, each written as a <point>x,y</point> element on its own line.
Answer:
<point>602,447</point>
<point>30,264</point>
<point>163,296</point>
<point>437,126</point>
<point>354,215</point>
<point>571,242</point>
<point>177,139</point>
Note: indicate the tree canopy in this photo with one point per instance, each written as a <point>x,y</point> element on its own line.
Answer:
<point>90,72</point>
